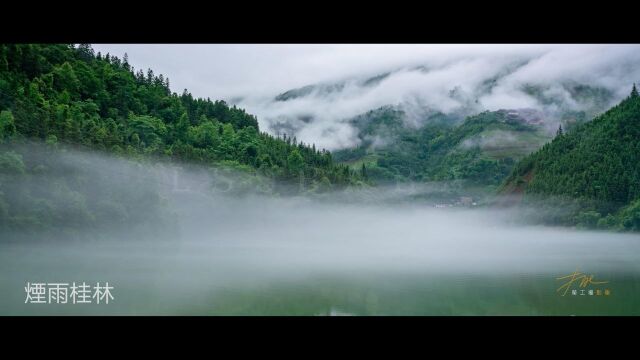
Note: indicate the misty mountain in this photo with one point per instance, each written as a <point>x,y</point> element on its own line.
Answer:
<point>325,112</point>
<point>476,152</point>
<point>413,140</point>
<point>327,89</point>
<point>593,169</point>
<point>427,126</point>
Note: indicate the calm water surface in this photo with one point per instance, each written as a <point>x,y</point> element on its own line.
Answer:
<point>335,260</point>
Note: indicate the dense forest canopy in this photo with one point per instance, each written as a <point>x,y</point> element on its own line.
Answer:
<point>70,94</point>
<point>68,97</point>
<point>595,167</point>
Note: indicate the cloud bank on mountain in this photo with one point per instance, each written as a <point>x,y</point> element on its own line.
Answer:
<point>344,80</point>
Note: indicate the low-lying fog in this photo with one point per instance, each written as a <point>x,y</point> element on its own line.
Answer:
<point>263,254</point>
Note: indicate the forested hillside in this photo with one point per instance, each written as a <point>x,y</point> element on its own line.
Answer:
<point>479,150</point>
<point>593,171</point>
<point>68,97</point>
<point>62,93</point>
<point>55,99</point>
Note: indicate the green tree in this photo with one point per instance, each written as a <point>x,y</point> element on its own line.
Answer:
<point>7,125</point>
<point>295,162</point>
<point>363,172</point>
<point>149,129</point>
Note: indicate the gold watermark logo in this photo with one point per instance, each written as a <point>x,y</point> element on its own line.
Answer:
<point>578,283</point>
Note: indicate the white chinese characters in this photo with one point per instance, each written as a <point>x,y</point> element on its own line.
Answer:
<point>64,293</point>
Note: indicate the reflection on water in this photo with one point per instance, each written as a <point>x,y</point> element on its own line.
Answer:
<point>249,257</point>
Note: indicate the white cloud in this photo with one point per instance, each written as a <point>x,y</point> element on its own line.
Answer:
<point>257,73</point>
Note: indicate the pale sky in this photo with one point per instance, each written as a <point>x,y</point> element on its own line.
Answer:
<point>229,70</point>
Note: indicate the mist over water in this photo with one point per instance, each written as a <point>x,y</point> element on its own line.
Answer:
<point>242,252</point>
